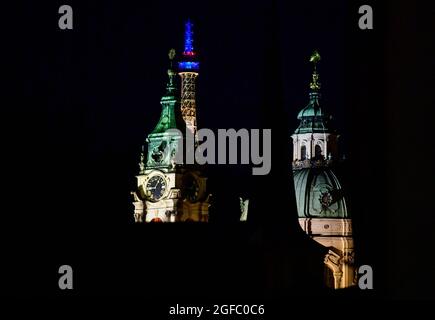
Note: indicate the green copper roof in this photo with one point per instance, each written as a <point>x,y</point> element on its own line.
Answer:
<point>313,118</point>
<point>167,117</point>
<point>313,108</point>
<point>169,102</point>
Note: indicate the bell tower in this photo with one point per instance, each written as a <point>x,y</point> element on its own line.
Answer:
<point>315,139</point>
<point>322,209</point>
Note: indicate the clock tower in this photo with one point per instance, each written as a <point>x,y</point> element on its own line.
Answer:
<point>167,190</point>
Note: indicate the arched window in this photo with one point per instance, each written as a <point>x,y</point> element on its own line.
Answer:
<point>318,152</point>
<point>303,152</point>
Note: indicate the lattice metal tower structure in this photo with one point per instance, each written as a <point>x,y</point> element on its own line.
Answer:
<point>188,69</point>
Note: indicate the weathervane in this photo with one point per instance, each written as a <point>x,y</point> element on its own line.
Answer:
<point>315,84</point>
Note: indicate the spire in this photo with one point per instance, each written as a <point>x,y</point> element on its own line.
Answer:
<point>170,86</point>
<point>313,118</point>
<point>168,101</point>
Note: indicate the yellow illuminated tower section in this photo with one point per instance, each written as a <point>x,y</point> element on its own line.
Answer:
<point>188,69</point>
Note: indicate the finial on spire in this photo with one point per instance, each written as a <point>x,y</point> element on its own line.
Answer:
<point>315,83</point>
<point>171,73</point>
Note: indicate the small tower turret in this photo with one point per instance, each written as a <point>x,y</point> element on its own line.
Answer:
<point>315,140</point>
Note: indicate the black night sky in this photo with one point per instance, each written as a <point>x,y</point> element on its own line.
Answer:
<point>86,99</point>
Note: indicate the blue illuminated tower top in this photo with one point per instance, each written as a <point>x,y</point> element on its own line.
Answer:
<point>189,61</point>
<point>188,39</point>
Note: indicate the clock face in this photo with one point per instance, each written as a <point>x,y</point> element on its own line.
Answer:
<point>191,188</point>
<point>324,202</point>
<point>155,187</point>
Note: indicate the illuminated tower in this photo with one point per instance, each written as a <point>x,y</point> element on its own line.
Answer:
<point>188,70</point>
<point>169,190</point>
<point>321,205</point>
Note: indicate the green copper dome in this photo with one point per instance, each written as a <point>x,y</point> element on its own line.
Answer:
<point>319,194</point>
<point>313,108</point>
<point>312,118</point>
